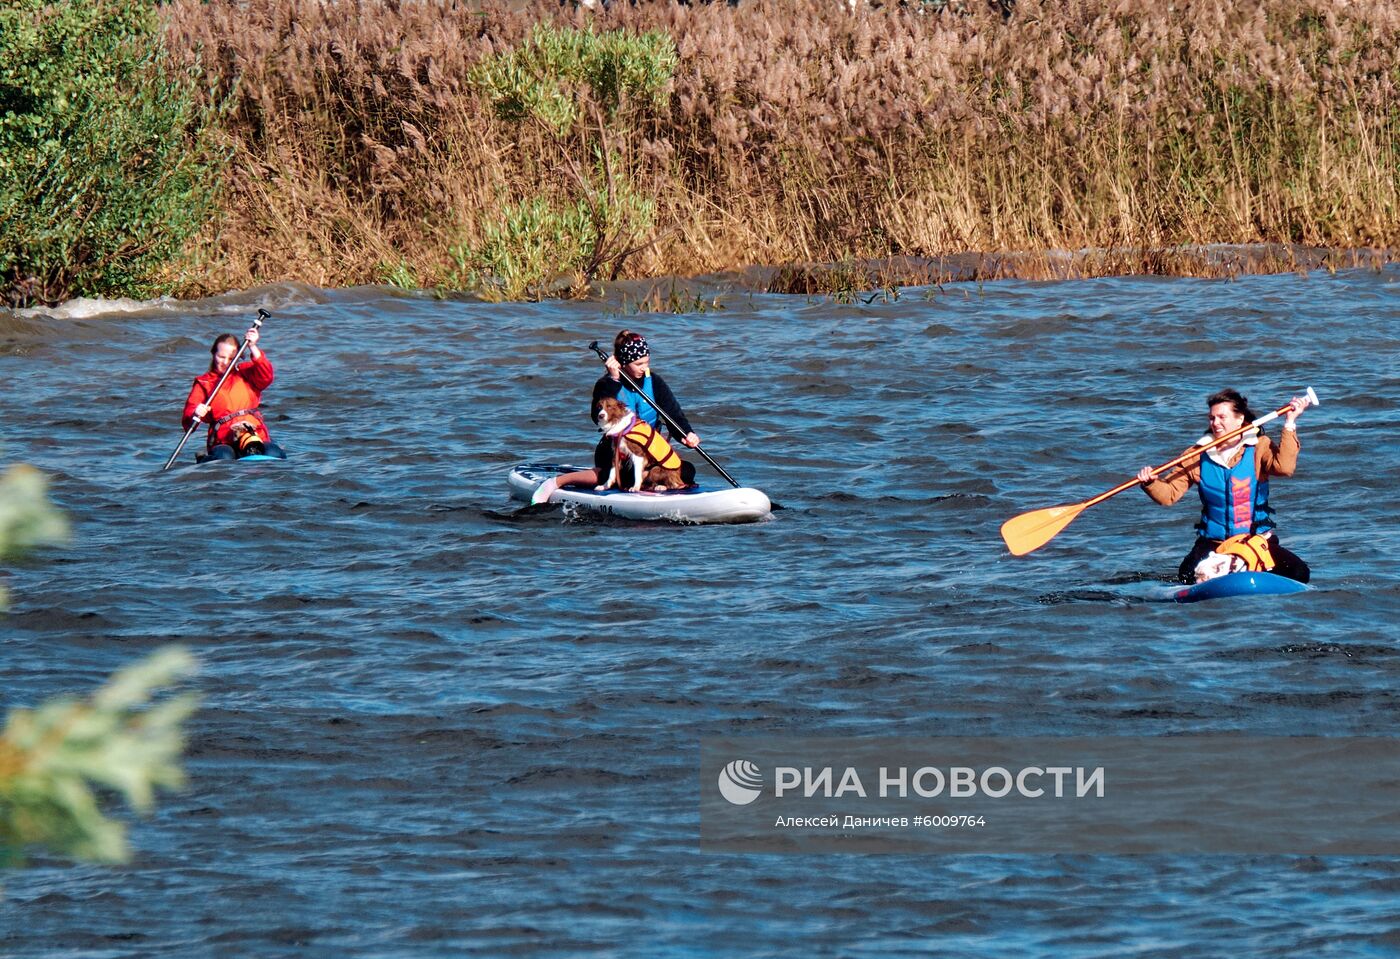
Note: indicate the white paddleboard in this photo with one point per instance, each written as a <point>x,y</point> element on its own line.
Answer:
<point>694,505</point>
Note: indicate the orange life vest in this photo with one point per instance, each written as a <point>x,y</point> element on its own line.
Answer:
<point>1252,548</point>
<point>658,451</point>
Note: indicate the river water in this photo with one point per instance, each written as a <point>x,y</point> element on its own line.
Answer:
<point>433,726</point>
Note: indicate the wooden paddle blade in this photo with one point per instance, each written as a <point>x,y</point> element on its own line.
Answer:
<point>1030,531</point>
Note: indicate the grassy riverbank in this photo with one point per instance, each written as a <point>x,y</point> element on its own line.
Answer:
<point>364,148</point>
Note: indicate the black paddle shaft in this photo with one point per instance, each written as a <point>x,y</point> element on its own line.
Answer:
<point>675,428</point>
<point>257,324</point>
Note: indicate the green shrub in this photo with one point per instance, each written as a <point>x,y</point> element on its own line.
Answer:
<point>547,77</point>
<point>585,91</point>
<point>398,274</point>
<point>539,241</point>
<point>107,158</point>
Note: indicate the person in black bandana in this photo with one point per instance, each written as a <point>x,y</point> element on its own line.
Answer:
<point>631,355</point>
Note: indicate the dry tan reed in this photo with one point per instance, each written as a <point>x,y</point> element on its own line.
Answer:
<point>797,132</point>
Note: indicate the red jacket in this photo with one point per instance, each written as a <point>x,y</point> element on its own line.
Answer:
<point>240,394</point>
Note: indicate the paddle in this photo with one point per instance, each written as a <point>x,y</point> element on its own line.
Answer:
<point>675,428</point>
<point>1030,531</point>
<point>257,324</point>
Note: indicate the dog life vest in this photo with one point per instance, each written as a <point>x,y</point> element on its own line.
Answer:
<point>1251,548</point>
<point>1233,499</point>
<point>657,450</point>
<point>247,439</point>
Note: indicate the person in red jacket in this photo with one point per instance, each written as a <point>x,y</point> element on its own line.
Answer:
<point>236,426</point>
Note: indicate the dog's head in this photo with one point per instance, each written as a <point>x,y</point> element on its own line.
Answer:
<point>614,417</point>
<point>1217,564</point>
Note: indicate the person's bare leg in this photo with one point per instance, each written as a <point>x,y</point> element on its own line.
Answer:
<point>546,489</point>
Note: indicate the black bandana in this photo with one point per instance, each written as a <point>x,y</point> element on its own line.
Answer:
<point>632,350</point>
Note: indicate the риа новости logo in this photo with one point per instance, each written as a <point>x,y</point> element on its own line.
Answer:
<point>740,782</point>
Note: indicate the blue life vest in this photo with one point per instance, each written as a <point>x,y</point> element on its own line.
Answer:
<point>1233,500</point>
<point>645,411</point>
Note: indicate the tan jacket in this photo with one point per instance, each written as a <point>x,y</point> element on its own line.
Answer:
<point>1268,461</point>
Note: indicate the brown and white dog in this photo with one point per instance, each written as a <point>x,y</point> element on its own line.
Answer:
<point>653,460</point>
<point>1217,564</point>
<point>1243,552</point>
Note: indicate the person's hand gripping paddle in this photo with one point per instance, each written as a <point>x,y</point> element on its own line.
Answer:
<point>1028,532</point>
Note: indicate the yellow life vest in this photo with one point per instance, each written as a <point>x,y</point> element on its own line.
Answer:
<point>658,451</point>
<point>1252,548</point>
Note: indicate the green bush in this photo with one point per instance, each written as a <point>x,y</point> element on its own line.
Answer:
<point>539,240</point>
<point>545,77</point>
<point>585,91</point>
<point>108,163</point>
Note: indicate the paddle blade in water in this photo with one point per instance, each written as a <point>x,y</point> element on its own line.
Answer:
<point>1030,531</point>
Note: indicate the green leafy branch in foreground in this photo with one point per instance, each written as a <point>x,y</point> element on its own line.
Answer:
<point>27,518</point>
<point>582,89</point>
<point>51,757</point>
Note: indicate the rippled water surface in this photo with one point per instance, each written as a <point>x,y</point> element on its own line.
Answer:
<point>435,726</point>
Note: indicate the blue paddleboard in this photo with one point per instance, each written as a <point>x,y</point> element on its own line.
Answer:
<point>254,458</point>
<point>1239,584</point>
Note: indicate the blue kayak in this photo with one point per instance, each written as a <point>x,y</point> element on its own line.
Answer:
<point>1239,584</point>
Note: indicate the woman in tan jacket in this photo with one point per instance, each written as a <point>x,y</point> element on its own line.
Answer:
<point>1233,482</point>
